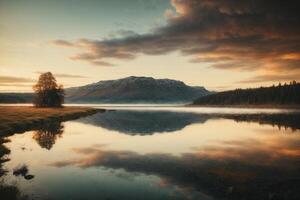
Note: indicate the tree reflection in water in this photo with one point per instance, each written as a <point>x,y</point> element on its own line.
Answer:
<point>4,151</point>
<point>46,136</point>
<point>7,191</point>
<point>48,133</point>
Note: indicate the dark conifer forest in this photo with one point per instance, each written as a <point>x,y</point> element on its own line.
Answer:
<point>282,94</point>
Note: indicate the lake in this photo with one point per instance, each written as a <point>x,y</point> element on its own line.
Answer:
<point>163,152</point>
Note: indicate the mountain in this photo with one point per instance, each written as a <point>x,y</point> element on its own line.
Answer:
<point>127,90</point>
<point>287,94</point>
<point>135,90</point>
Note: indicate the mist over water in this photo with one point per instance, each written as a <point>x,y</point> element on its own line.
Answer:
<point>145,152</point>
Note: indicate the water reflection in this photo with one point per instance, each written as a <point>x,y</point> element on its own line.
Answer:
<point>149,122</point>
<point>48,133</point>
<point>4,151</point>
<point>7,191</point>
<point>115,155</point>
<point>281,120</point>
<point>11,192</point>
<point>45,135</point>
<point>142,123</point>
<point>233,170</point>
<point>23,171</point>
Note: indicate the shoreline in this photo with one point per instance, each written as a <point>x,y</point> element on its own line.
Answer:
<point>265,106</point>
<point>90,105</point>
<point>106,106</point>
<point>19,119</point>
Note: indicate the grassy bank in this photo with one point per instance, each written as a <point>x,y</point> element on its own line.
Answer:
<point>22,118</point>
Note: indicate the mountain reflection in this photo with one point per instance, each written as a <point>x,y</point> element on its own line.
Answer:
<point>233,170</point>
<point>48,133</point>
<point>143,122</point>
<point>149,122</point>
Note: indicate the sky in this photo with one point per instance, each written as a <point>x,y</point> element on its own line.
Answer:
<point>218,44</point>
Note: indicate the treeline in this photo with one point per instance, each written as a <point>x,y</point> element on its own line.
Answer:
<point>16,97</point>
<point>286,94</point>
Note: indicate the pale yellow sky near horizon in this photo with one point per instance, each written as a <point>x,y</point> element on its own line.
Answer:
<point>173,66</point>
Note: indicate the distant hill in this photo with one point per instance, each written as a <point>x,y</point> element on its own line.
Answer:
<point>16,97</point>
<point>287,94</point>
<point>135,90</point>
<point>127,90</point>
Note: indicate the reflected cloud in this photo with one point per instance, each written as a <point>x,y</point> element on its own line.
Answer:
<point>232,170</point>
<point>48,133</point>
<point>149,122</point>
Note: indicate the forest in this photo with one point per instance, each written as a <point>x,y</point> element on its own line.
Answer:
<point>282,94</point>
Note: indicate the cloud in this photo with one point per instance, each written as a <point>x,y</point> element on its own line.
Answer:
<point>15,85</point>
<point>64,75</point>
<point>272,77</point>
<point>62,43</point>
<point>261,35</point>
<point>69,76</point>
<point>13,79</point>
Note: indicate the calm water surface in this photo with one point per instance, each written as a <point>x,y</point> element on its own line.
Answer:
<point>160,153</point>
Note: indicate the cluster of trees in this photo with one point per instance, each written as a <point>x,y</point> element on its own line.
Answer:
<point>47,92</point>
<point>286,94</point>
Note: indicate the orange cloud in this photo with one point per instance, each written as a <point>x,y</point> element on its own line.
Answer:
<point>234,35</point>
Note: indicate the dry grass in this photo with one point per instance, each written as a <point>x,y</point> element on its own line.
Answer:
<point>18,118</point>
